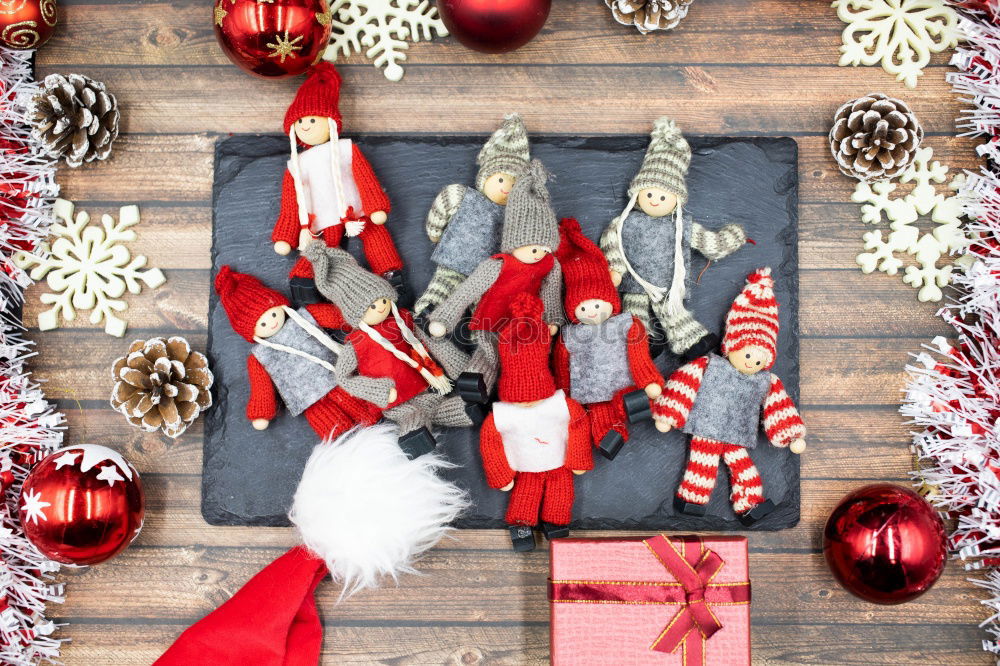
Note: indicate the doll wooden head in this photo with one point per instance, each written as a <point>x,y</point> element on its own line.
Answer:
<point>498,186</point>
<point>312,130</point>
<point>270,322</point>
<point>377,312</point>
<point>656,201</point>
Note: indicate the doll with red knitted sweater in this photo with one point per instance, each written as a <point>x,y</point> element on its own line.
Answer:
<point>602,356</point>
<point>291,357</point>
<point>536,438</point>
<point>721,402</point>
<point>329,190</point>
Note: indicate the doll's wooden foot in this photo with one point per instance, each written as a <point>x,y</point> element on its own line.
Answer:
<point>472,387</point>
<point>304,291</point>
<point>637,406</point>
<point>611,444</point>
<point>757,512</point>
<point>522,538</point>
<point>688,508</point>
<point>709,342</point>
<point>417,443</point>
<point>553,531</point>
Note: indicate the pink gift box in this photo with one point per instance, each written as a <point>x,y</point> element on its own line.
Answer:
<point>614,599</point>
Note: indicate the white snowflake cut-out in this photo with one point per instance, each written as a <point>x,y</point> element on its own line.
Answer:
<point>900,35</point>
<point>381,28</point>
<point>87,267</point>
<point>34,507</point>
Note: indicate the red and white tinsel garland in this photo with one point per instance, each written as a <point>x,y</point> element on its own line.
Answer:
<point>954,390</point>
<point>29,428</point>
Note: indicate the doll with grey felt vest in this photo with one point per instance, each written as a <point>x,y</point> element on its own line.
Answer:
<point>721,401</point>
<point>649,245</point>
<point>464,222</point>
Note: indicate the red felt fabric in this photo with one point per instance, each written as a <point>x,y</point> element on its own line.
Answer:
<point>515,278</point>
<point>374,361</point>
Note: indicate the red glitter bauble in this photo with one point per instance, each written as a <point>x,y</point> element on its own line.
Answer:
<point>494,26</point>
<point>27,24</point>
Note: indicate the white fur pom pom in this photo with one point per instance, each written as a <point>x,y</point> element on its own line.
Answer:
<point>368,510</point>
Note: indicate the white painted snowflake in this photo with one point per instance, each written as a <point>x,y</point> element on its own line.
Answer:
<point>382,28</point>
<point>899,34</point>
<point>88,268</point>
<point>923,199</point>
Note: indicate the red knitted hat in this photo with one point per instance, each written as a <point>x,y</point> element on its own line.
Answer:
<point>319,95</point>
<point>245,299</point>
<point>585,270</point>
<point>753,319</point>
<point>524,353</point>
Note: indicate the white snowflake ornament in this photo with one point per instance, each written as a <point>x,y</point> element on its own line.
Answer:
<point>899,34</point>
<point>88,268</point>
<point>382,28</point>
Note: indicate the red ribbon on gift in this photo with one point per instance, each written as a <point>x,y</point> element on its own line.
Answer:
<point>693,566</point>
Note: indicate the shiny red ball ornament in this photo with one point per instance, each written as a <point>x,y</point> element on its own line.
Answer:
<point>885,544</point>
<point>27,24</point>
<point>494,26</point>
<point>272,38</point>
<point>82,504</point>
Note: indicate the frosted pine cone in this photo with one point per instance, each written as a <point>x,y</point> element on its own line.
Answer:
<point>74,117</point>
<point>648,15</point>
<point>162,385</point>
<point>875,137</point>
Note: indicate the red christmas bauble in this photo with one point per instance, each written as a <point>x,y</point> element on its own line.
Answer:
<point>82,504</point>
<point>885,544</point>
<point>27,24</point>
<point>494,26</point>
<point>272,38</point>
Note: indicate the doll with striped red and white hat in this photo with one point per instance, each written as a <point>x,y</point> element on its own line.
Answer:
<point>721,402</point>
<point>329,189</point>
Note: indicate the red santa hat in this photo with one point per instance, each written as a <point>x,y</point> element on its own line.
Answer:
<point>524,353</point>
<point>245,299</point>
<point>585,270</point>
<point>753,319</point>
<point>319,95</point>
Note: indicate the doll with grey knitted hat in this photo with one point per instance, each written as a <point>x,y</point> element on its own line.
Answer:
<point>525,264</point>
<point>649,245</point>
<point>386,360</point>
<point>464,223</point>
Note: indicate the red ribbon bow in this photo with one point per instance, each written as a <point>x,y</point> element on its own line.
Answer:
<point>693,566</point>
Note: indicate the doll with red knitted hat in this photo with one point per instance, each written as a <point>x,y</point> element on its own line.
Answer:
<point>721,402</point>
<point>603,354</point>
<point>329,190</point>
<point>536,438</point>
<point>291,357</point>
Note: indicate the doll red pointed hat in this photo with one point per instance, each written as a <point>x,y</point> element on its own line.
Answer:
<point>245,299</point>
<point>319,95</point>
<point>524,353</point>
<point>585,270</point>
<point>753,319</point>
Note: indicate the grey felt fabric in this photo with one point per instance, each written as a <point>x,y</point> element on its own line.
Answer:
<point>728,405</point>
<point>598,358</point>
<point>472,236</point>
<point>249,476</point>
<point>648,243</point>
<point>299,382</point>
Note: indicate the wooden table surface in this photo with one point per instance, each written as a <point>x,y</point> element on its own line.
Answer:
<point>735,67</point>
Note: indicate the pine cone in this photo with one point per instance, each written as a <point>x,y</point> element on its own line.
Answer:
<point>875,137</point>
<point>648,15</point>
<point>162,385</point>
<point>74,117</point>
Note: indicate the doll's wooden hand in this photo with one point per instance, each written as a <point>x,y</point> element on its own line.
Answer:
<point>437,329</point>
<point>578,472</point>
<point>653,391</point>
<point>378,217</point>
<point>393,395</point>
<point>506,489</point>
<point>553,329</point>
<point>305,237</point>
<point>663,425</point>
<point>616,278</point>
<point>260,424</point>
<point>797,445</point>
<point>282,248</point>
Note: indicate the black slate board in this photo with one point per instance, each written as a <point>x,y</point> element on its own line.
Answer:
<point>249,476</point>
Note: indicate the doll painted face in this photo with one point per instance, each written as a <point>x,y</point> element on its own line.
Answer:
<point>593,311</point>
<point>377,312</point>
<point>656,202</point>
<point>531,254</point>
<point>497,187</point>
<point>749,360</point>
<point>312,130</point>
<point>270,322</point>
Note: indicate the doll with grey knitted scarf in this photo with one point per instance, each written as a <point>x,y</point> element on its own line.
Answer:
<point>386,360</point>
<point>649,245</point>
<point>525,264</point>
<point>464,222</point>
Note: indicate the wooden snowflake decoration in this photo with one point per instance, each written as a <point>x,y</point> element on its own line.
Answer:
<point>88,268</point>
<point>381,28</point>
<point>899,34</point>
